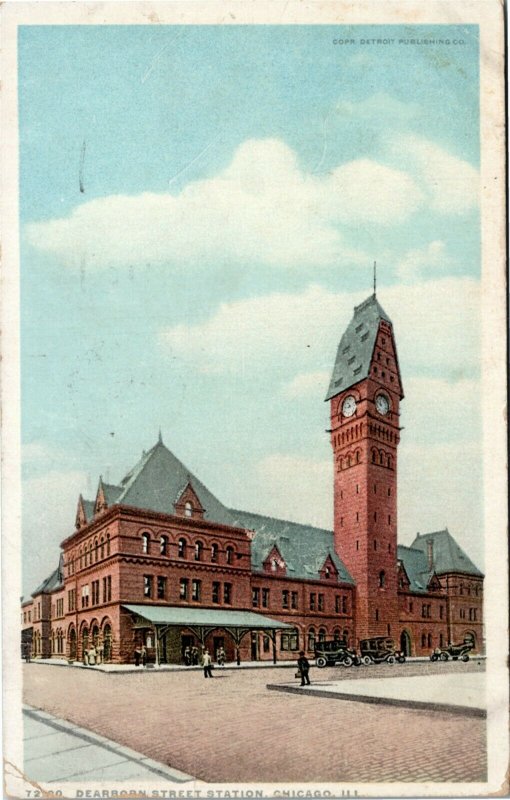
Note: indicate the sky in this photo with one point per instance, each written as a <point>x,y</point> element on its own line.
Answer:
<point>200,209</point>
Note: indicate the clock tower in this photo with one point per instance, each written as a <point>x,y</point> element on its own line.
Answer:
<point>364,396</point>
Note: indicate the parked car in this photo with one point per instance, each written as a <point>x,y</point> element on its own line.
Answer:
<point>331,652</point>
<point>453,651</point>
<point>380,649</point>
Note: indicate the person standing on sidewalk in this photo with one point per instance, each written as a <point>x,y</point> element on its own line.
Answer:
<point>207,664</point>
<point>303,668</point>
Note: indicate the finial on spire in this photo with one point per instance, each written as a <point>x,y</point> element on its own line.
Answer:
<point>375,277</point>
<point>160,437</point>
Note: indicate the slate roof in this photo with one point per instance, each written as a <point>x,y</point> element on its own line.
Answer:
<point>303,547</point>
<point>416,566</point>
<point>356,346</point>
<point>111,492</point>
<point>447,554</point>
<point>88,507</point>
<point>156,482</point>
<point>52,582</point>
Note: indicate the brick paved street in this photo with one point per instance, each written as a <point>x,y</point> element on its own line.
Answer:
<point>233,729</point>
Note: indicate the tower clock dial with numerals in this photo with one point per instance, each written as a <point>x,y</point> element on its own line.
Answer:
<point>382,404</point>
<point>349,406</point>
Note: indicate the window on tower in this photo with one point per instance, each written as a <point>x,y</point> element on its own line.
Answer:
<point>382,579</point>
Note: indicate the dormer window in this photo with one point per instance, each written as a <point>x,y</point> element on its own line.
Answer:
<point>274,564</point>
<point>188,509</point>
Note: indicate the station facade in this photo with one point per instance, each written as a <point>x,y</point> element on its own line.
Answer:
<point>157,560</point>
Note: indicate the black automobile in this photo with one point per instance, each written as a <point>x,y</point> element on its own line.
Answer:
<point>454,651</point>
<point>331,652</point>
<point>380,649</point>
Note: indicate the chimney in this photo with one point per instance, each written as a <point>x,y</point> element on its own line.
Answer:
<point>430,554</point>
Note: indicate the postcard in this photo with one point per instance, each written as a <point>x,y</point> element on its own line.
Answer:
<point>253,400</point>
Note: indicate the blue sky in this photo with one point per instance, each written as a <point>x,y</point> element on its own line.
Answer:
<point>238,182</point>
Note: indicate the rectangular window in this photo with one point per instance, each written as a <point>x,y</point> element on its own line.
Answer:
<point>161,587</point>
<point>29,616</point>
<point>312,601</point>
<point>84,596</point>
<point>338,606</point>
<point>294,600</point>
<point>265,644</point>
<point>183,588</point>
<point>108,588</point>
<point>377,615</point>
<point>389,519</point>
<point>344,604</point>
<point>227,593</point>
<point>424,610</point>
<point>196,590</point>
<point>320,602</point>
<point>255,597</point>
<point>289,641</point>
<point>216,592</point>
<point>147,585</point>
<point>285,598</point>
<point>441,612</point>
<point>265,598</point>
<point>104,590</point>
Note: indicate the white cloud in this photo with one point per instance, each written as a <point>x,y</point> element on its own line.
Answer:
<point>452,185</point>
<point>441,486</point>
<point>49,508</point>
<point>420,262</point>
<point>295,488</point>
<point>436,326</point>
<point>263,208</point>
<point>436,409</point>
<point>307,383</point>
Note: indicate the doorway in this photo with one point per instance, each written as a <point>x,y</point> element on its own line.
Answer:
<point>254,647</point>
<point>405,643</point>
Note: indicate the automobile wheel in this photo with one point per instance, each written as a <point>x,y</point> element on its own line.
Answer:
<point>465,657</point>
<point>401,659</point>
<point>347,662</point>
<point>390,660</point>
<point>444,657</point>
<point>321,662</point>
<point>366,660</point>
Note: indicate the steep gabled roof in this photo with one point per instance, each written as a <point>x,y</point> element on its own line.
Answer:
<point>88,507</point>
<point>52,582</point>
<point>157,481</point>
<point>111,493</point>
<point>356,346</point>
<point>303,547</point>
<point>448,556</point>
<point>416,566</point>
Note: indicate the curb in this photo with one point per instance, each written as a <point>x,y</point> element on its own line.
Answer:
<point>422,705</point>
<point>162,770</point>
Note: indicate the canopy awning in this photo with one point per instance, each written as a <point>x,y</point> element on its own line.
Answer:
<point>205,617</point>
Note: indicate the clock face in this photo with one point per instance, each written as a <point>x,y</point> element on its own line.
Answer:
<point>382,404</point>
<point>349,406</point>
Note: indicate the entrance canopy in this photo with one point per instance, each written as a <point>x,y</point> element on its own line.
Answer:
<point>202,621</point>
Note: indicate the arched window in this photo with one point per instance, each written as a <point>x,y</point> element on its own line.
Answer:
<point>322,634</point>
<point>146,540</point>
<point>102,547</point>
<point>81,558</point>
<point>373,456</point>
<point>163,545</point>
<point>382,579</point>
<point>181,552</point>
<point>346,636</point>
<point>423,640</point>
<point>198,551</point>
<point>96,550</point>
<point>107,544</point>
<point>357,456</point>
<point>214,553</point>
<point>336,635</point>
<point>229,555</point>
<point>188,509</point>
<point>311,639</point>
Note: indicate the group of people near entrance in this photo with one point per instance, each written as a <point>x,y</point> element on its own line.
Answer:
<point>93,655</point>
<point>192,656</point>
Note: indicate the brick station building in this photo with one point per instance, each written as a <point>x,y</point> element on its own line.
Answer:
<point>158,560</point>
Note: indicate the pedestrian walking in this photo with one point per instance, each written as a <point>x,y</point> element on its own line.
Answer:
<point>303,669</point>
<point>207,664</point>
<point>100,653</point>
<point>137,655</point>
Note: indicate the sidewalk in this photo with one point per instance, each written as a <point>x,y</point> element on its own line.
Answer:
<point>455,693</point>
<point>56,750</point>
<point>61,662</point>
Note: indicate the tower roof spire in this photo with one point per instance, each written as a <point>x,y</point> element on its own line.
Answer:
<point>375,277</point>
